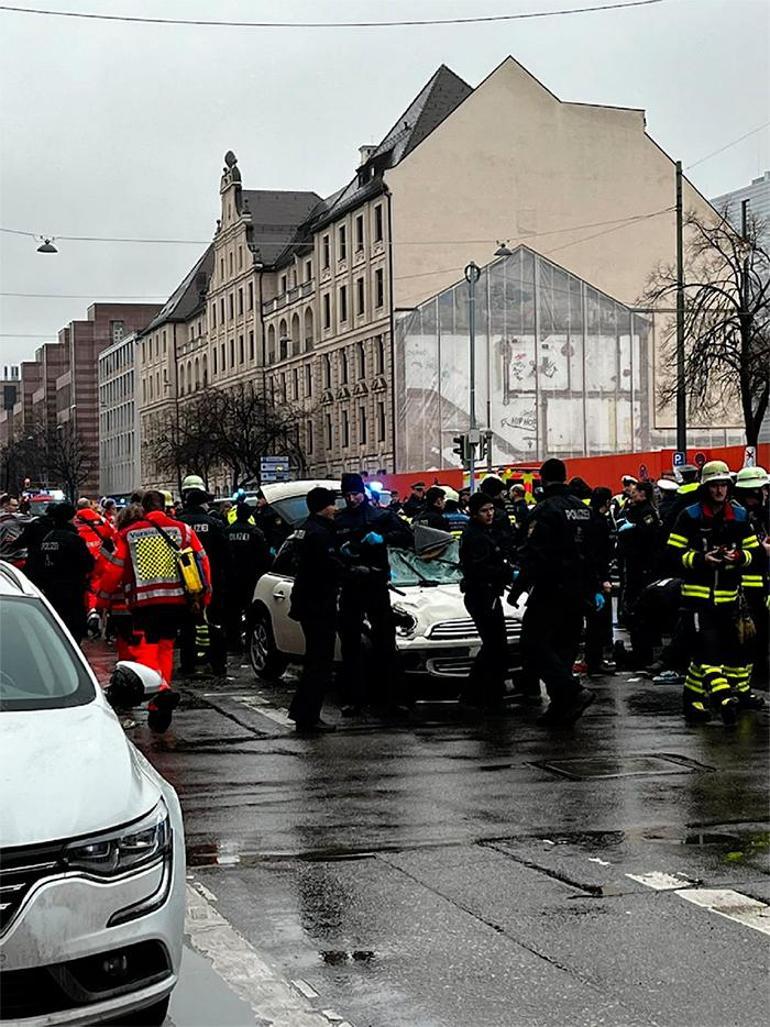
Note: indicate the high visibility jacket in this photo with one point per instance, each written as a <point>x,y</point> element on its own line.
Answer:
<point>700,529</point>
<point>93,529</point>
<point>144,565</point>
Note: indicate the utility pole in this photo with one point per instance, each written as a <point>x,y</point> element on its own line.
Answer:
<point>472,275</point>
<point>681,390</point>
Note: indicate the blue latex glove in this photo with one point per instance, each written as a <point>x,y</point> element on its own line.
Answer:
<point>599,602</point>
<point>372,539</point>
<point>515,574</point>
<point>626,526</point>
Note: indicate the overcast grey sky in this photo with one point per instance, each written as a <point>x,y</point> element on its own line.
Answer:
<point>120,129</point>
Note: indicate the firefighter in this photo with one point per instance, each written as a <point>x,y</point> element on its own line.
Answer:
<point>557,568</point>
<point>209,635</point>
<point>714,543</point>
<point>363,536</point>
<point>248,559</point>
<point>432,515</point>
<point>145,567</point>
<point>752,489</point>
<point>314,605</point>
<point>65,568</point>
<point>486,572</point>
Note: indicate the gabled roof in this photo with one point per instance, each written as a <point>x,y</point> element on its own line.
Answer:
<point>188,296</point>
<point>276,215</point>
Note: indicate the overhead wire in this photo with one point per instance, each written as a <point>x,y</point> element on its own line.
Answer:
<point>405,23</point>
<point>727,146</point>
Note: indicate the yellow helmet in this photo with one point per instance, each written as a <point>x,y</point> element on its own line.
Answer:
<point>714,472</point>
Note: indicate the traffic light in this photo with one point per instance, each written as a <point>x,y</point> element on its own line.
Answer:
<point>461,448</point>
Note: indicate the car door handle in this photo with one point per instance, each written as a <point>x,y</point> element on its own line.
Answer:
<point>279,594</point>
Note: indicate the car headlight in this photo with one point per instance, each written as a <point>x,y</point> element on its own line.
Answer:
<point>406,623</point>
<point>124,849</point>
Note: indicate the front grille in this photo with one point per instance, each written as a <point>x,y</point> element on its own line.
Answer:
<point>451,630</point>
<point>20,870</point>
<point>451,666</point>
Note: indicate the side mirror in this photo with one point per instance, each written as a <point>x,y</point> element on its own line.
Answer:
<point>131,684</point>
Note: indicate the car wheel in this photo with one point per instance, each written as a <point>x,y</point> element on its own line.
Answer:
<point>152,1016</point>
<point>267,661</point>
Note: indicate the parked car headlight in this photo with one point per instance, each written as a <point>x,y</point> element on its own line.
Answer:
<point>406,623</point>
<point>124,849</point>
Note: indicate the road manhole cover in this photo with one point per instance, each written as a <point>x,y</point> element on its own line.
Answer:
<point>580,768</point>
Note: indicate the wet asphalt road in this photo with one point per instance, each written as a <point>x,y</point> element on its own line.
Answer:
<point>452,873</point>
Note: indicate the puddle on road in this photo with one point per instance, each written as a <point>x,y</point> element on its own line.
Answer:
<point>202,998</point>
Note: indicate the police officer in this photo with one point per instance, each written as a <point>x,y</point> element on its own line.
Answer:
<point>64,569</point>
<point>486,571</point>
<point>248,557</point>
<point>210,531</point>
<point>433,513</point>
<point>364,533</point>
<point>637,543</point>
<point>556,566</point>
<point>415,504</point>
<point>502,529</point>
<point>599,622</point>
<point>314,605</point>
<point>714,544</point>
<point>269,523</point>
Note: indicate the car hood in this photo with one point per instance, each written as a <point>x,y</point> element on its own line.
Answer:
<point>440,603</point>
<point>68,772</point>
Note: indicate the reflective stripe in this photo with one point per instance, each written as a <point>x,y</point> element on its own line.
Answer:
<point>688,559</point>
<point>752,542</point>
<point>752,581</point>
<point>112,558</point>
<point>702,591</point>
<point>693,687</point>
<point>677,538</point>
<point>677,543</point>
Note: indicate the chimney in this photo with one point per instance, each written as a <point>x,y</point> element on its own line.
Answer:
<point>365,152</point>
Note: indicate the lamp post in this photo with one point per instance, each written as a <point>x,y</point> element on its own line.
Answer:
<point>472,275</point>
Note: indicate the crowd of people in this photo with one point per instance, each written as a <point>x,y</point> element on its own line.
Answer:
<point>680,565</point>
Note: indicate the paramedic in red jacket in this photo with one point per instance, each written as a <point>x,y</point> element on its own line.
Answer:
<point>144,565</point>
<point>95,530</point>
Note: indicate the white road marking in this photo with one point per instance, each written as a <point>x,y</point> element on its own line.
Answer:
<point>278,714</point>
<point>659,881</point>
<point>204,891</point>
<point>732,905</point>
<point>305,988</point>
<point>237,962</point>
<point>601,862</point>
<point>331,1016</point>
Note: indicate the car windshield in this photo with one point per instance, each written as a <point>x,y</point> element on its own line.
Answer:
<point>409,569</point>
<point>294,509</point>
<point>38,668</point>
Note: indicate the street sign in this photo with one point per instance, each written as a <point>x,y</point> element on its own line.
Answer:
<point>680,458</point>
<point>274,468</point>
<point>750,457</point>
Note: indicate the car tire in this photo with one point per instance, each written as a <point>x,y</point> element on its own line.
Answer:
<point>152,1016</point>
<point>267,661</point>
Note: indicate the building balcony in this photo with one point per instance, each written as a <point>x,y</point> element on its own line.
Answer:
<point>297,292</point>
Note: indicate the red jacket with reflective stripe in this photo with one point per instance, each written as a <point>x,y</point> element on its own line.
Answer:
<point>144,564</point>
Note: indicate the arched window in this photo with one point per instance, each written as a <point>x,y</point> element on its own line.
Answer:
<point>308,329</point>
<point>205,364</point>
<point>296,341</point>
<point>181,380</point>
<point>197,373</point>
<point>283,339</point>
<point>271,344</point>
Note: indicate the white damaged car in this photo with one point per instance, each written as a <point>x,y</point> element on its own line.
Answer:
<point>435,636</point>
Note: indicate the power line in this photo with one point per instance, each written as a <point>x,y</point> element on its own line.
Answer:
<point>105,238</point>
<point>473,20</point>
<point>27,335</point>
<point>80,296</point>
<point>727,146</point>
<point>596,235</point>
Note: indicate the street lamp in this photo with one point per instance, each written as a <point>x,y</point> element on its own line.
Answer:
<point>46,246</point>
<point>502,249</point>
<point>472,275</point>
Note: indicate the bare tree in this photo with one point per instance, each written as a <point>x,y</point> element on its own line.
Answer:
<point>727,318</point>
<point>184,437</point>
<point>67,458</point>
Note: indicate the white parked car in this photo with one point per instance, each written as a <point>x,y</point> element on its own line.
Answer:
<point>92,857</point>
<point>435,636</point>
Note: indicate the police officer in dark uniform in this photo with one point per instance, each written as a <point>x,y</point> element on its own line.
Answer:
<point>314,605</point>
<point>486,572</point>
<point>556,566</point>
<point>638,536</point>
<point>210,531</point>
<point>64,569</point>
<point>248,559</point>
<point>415,504</point>
<point>502,528</point>
<point>364,533</point>
<point>433,513</point>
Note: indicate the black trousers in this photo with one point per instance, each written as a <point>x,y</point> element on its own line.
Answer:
<point>598,634</point>
<point>550,636</point>
<point>237,603</point>
<point>486,682</point>
<point>217,648</point>
<point>377,683</point>
<point>320,635</point>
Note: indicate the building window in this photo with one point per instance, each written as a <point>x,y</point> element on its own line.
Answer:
<point>283,341</point>
<point>327,311</point>
<point>379,287</point>
<point>251,345</point>
<point>232,353</point>
<point>205,364</point>
<point>240,256</point>
<point>362,425</point>
<point>361,360</point>
<point>283,388</point>
<point>381,422</point>
<point>360,296</point>
<point>295,384</point>
<point>222,358</point>
<point>271,344</point>
<point>250,295</point>
<point>240,301</point>
<point>345,441</point>
<point>378,232</point>
<point>329,432</point>
<point>222,310</point>
<point>214,360</point>
<point>214,314</point>
<point>230,261</point>
<point>380,351</point>
<point>231,306</point>
<point>308,379</point>
<point>325,252</point>
<point>309,436</point>
<point>342,243</point>
<point>343,367</point>
<point>327,371</point>
<point>359,233</point>
<point>284,281</point>
<point>308,270</point>
<point>343,303</point>
<point>241,353</point>
<point>222,268</point>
